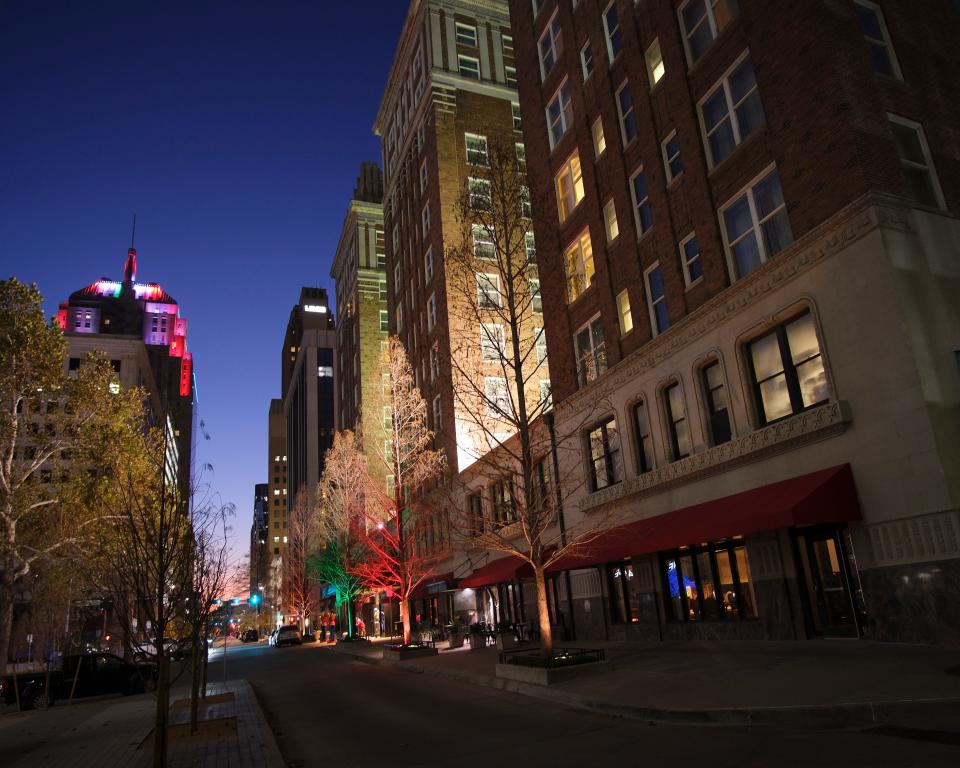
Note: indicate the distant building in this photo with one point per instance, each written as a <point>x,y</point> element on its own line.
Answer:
<point>359,270</point>
<point>138,326</point>
<point>275,520</point>
<point>259,552</point>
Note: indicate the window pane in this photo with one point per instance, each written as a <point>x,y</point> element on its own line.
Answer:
<point>748,603</point>
<point>690,588</point>
<point>727,594</point>
<point>683,439</point>
<point>746,255</point>
<point>742,81</point>
<point>869,22</point>
<point>813,382</point>
<point>775,398</point>
<point>765,353</point>
<point>880,59</point>
<point>673,590</point>
<point>920,186</point>
<point>802,338</point>
<point>737,219</point>
<point>714,110</point>
<point>708,594</point>
<point>749,115</point>
<point>767,195</point>
<point>777,234</point>
<point>908,144</point>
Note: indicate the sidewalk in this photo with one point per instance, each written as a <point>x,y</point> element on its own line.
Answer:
<point>820,683</point>
<point>113,736</point>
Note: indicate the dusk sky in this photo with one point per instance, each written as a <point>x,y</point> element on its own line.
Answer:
<point>234,130</point>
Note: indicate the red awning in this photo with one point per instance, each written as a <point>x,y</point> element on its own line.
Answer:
<point>494,572</point>
<point>825,496</point>
<point>423,588</point>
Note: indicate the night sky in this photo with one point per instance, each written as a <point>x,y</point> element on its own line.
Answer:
<point>234,130</point>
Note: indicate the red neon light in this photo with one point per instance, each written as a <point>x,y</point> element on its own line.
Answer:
<point>181,327</point>
<point>178,346</point>
<point>186,370</point>
<point>62,318</point>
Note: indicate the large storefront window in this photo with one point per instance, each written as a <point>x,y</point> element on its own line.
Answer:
<point>624,595</point>
<point>709,583</point>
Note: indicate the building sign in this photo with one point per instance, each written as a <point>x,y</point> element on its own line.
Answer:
<point>314,308</point>
<point>186,369</point>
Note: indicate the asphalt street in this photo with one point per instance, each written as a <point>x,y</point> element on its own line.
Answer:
<point>330,710</point>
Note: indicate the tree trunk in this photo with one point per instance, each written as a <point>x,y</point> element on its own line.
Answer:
<point>543,612</point>
<point>163,708</point>
<point>349,621</point>
<point>405,618</point>
<point>195,681</point>
<point>205,657</point>
<point>6,623</point>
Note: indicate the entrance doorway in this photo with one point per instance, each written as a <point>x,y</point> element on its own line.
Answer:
<point>822,554</point>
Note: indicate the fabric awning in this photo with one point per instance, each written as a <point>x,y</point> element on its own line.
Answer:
<point>424,587</point>
<point>825,496</point>
<point>494,572</point>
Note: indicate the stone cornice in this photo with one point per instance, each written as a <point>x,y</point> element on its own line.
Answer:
<point>807,427</point>
<point>848,225</point>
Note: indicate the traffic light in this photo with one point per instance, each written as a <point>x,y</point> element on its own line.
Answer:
<point>254,599</point>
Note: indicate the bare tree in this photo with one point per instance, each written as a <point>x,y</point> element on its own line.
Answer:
<point>53,429</point>
<point>404,524</point>
<point>343,495</point>
<point>302,542</point>
<point>507,437</point>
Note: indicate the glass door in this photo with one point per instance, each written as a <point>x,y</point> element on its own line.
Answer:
<point>823,561</point>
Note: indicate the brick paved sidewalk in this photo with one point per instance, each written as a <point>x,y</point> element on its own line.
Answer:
<point>110,736</point>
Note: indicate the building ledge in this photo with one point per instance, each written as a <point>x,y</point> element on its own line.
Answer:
<point>807,427</point>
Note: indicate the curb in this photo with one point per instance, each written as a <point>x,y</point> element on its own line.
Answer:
<point>809,715</point>
<point>270,747</point>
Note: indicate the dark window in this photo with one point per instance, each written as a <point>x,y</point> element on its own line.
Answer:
<point>116,365</point>
<point>504,511</point>
<point>624,595</point>
<point>715,395</point>
<point>476,514</point>
<point>786,367</point>
<point>74,363</point>
<point>604,446</point>
<point>641,423</point>
<point>677,419</point>
<point>709,583</point>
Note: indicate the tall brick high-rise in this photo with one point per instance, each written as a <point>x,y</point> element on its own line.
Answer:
<point>450,95</point>
<point>749,255</point>
<point>360,272</point>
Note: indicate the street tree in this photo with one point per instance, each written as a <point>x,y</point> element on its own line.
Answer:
<point>341,515</point>
<point>299,586</point>
<point>404,523</point>
<point>508,438</point>
<point>54,426</point>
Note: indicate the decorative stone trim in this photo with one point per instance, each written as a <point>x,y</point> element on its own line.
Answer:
<point>924,538</point>
<point>809,426</point>
<point>855,221</point>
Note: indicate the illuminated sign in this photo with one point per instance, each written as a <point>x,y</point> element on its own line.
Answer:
<point>181,327</point>
<point>186,369</point>
<point>161,309</point>
<point>148,291</point>
<point>178,346</point>
<point>314,308</point>
<point>62,318</point>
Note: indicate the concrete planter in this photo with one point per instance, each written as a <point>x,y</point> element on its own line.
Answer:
<point>506,641</point>
<point>543,676</point>
<point>405,653</point>
<point>477,641</point>
<point>455,640</point>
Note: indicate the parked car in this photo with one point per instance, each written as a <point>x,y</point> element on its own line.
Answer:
<point>172,649</point>
<point>95,674</point>
<point>272,637</point>
<point>289,634</point>
<point>308,637</point>
<point>250,636</point>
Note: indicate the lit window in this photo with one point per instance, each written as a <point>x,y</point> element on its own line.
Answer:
<point>642,213</point>
<point>623,310</point>
<point>517,117</point>
<point>325,371</point>
<point>469,67</point>
<point>755,225</point>
<point>437,413</point>
<point>599,141</point>
<point>586,60</point>
<point>610,221</point>
<point>545,397</point>
<point>731,111</point>
<point>786,368</point>
<point>382,290</point>
<point>690,258</point>
<point>874,28</point>
<point>484,246</point>
<point>611,28</point>
<point>384,320</point>
<point>559,114</point>
<point>914,153</point>
<point>476,149</point>
<point>488,291</point>
<point>671,156</point>
<point>466,34</point>
<point>590,350</point>
<point>510,75</point>
<point>530,246</point>
<point>715,398</point>
<point>569,186</point>
<point>431,311</point>
<point>680,443</point>
<point>536,300</point>
<point>579,262</point>
<point>497,396</point>
<point>428,264</point>
<point>479,193</point>
<point>425,219</point>
<point>655,68</point>
<point>435,361</point>
<point>492,341</point>
<point>540,343</point>
<point>628,118</point>
<point>656,299</point>
<point>550,45</point>
<point>701,22</point>
<point>604,445</point>
<point>423,188</point>
<point>521,156</point>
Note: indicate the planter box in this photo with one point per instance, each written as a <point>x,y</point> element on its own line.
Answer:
<point>455,641</point>
<point>405,653</point>
<point>543,676</point>
<point>477,641</point>
<point>506,640</point>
